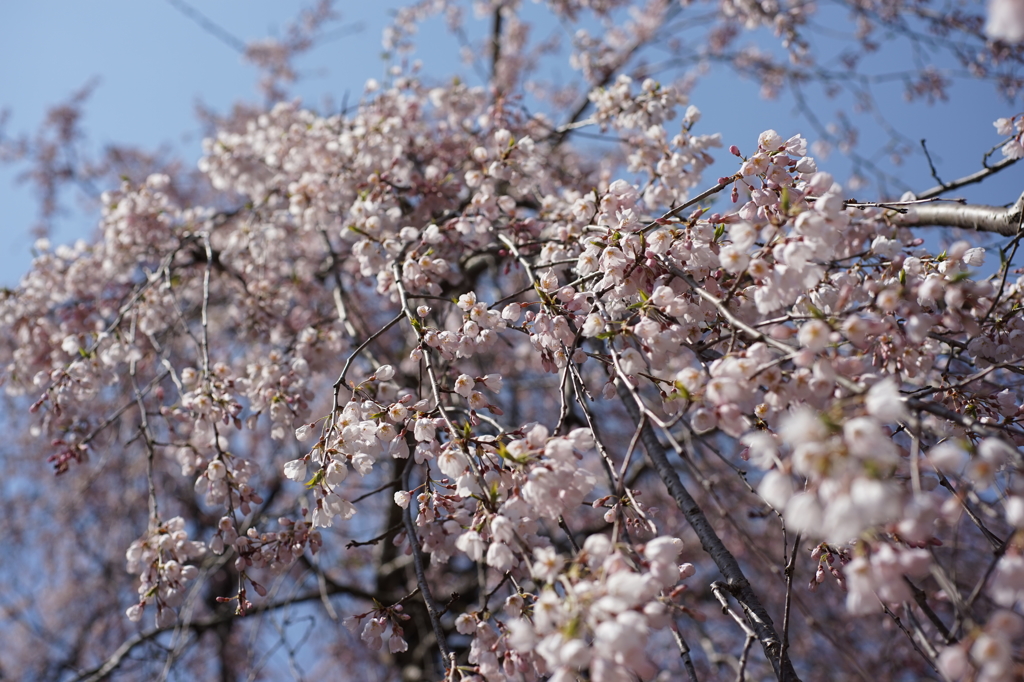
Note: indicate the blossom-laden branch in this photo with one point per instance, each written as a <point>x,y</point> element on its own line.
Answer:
<point>817,368</point>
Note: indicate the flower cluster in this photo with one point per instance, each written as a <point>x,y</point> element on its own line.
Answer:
<point>159,559</point>
<point>1012,128</point>
<point>597,617</point>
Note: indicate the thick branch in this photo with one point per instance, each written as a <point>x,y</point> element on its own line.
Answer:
<point>1004,221</point>
<point>738,584</point>
<point>496,44</point>
<point>433,608</point>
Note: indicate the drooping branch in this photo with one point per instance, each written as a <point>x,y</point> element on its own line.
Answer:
<point>738,585</point>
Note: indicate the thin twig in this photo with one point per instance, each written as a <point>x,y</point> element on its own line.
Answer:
<point>112,662</point>
<point>931,166</point>
<point>718,589</point>
<point>684,652</point>
<point>374,540</point>
<point>348,362</point>
<point>966,180</point>
<point>910,636</point>
<point>790,571</point>
<point>725,182</point>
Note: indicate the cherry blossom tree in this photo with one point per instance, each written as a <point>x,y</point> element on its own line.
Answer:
<point>431,389</point>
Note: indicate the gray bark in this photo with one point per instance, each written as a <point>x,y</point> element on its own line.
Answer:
<point>1004,221</point>
<point>737,584</point>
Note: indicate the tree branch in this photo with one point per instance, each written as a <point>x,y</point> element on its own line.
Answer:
<point>737,583</point>
<point>496,43</point>
<point>967,180</point>
<point>434,609</point>
<point>114,660</point>
<point>1004,221</point>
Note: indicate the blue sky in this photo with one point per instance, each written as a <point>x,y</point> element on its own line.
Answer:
<point>153,64</point>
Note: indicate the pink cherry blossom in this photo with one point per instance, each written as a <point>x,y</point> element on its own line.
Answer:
<point>563,406</point>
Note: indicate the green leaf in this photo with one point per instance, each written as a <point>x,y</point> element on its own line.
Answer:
<point>318,477</point>
<point>681,390</point>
